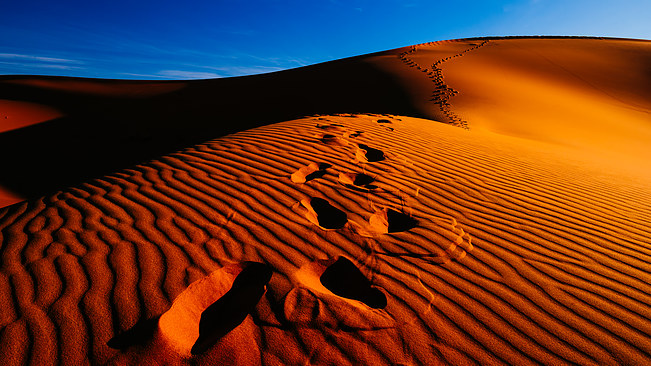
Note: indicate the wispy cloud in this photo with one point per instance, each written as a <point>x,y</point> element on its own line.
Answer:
<point>24,63</point>
<point>16,56</point>
<point>32,67</point>
<point>131,75</point>
<point>244,70</point>
<point>181,74</point>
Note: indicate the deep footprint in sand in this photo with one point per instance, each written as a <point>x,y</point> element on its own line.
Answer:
<point>358,180</point>
<point>309,172</point>
<point>331,126</point>
<point>368,154</point>
<point>334,293</point>
<point>387,221</point>
<point>214,306</point>
<point>344,279</point>
<point>320,212</point>
<point>330,139</point>
<point>352,134</point>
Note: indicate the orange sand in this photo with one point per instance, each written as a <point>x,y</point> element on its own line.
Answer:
<point>517,231</point>
<point>17,114</point>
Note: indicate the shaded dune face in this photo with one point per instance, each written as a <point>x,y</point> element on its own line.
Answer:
<point>457,246</point>
<point>150,119</point>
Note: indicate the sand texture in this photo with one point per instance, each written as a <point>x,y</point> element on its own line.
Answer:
<point>480,201</point>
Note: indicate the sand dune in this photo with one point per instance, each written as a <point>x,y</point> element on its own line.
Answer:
<point>352,237</point>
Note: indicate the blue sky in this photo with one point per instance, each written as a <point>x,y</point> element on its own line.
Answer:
<point>163,39</point>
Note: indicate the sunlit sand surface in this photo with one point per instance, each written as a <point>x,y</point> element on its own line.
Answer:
<point>500,213</point>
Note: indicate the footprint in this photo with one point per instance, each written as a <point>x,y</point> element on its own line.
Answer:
<point>342,278</point>
<point>352,134</point>
<point>383,121</point>
<point>366,153</point>
<point>309,172</point>
<point>330,139</point>
<point>331,126</point>
<point>357,179</point>
<point>387,221</point>
<point>334,293</point>
<point>214,306</point>
<point>321,213</point>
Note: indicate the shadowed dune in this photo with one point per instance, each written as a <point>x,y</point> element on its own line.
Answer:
<point>149,119</point>
<point>496,244</point>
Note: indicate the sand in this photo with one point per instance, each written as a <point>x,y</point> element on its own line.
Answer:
<point>505,220</point>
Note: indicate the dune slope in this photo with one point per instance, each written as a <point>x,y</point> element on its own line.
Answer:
<point>389,239</point>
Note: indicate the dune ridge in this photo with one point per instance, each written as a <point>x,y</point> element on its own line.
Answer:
<point>514,258</point>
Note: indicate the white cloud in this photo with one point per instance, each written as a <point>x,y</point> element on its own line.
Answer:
<point>180,74</point>
<point>245,70</point>
<point>16,56</point>
<point>38,65</point>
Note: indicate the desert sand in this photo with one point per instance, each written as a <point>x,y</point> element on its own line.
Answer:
<point>477,201</point>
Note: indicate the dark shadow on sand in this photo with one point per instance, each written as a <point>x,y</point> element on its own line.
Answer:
<point>399,221</point>
<point>344,279</point>
<point>329,216</point>
<point>102,134</point>
<point>138,335</point>
<point>231,309</point>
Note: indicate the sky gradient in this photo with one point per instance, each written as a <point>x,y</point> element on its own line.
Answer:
<point>221,38</point>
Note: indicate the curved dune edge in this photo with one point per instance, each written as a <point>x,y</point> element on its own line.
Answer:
<point>548,265</point>
<point>8,198</point>
<point>17,114</point>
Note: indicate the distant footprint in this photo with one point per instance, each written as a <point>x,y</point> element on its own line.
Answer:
<point>352,134</point>
<point>334,293</point>
<point>213,306</point>
<point>309,172</point>
<point>331,126</point>
<point>383,121</point>
<point>357,179</point>
<point>330,139</point>
<point>321,213</point>
<point>366,153</point>
<point>387,221</point>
